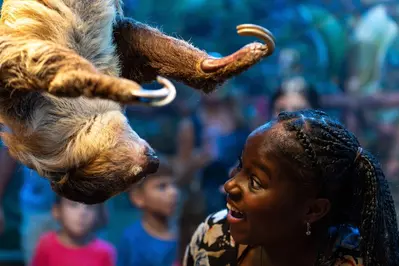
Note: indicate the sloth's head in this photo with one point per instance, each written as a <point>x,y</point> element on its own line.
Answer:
<point>111,172</point>
<point>86,160</point>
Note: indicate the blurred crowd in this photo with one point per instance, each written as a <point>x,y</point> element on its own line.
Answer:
<point>338,56</point>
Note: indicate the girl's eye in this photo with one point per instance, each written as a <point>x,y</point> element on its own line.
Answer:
<point>254,182</point>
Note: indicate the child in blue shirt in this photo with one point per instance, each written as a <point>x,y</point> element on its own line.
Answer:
<point>151,241</point>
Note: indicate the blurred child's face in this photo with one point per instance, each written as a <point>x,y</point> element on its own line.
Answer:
<point>157,195</point>
<point>77,219</point>
<point>290,102</point>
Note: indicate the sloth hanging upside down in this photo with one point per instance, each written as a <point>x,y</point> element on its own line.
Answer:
<point>67,67</point>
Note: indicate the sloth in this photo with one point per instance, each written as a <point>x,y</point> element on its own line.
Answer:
<point>67,70</point>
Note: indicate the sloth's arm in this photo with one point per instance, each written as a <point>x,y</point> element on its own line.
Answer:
<point>145,52</point>
<point>34,65</point>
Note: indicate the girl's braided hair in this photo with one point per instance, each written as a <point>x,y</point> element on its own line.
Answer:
<point>329,157</point>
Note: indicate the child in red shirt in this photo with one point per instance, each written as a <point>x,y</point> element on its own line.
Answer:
<point>75,243</point>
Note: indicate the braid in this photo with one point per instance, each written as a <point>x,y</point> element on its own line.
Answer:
<point>379,225</point>
<point>370,210</point>
<point>303,139</point>
<point>355,185</point>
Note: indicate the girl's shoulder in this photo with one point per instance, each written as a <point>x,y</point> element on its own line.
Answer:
<point>211,244</point>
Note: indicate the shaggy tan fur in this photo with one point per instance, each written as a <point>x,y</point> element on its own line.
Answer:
<point>65,68</point>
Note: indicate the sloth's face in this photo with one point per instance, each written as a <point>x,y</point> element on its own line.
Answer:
<point>113,171</point>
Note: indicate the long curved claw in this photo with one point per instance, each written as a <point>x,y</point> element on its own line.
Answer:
<point>246,56</point>
<point>259,32</point>
<point>160,97</point>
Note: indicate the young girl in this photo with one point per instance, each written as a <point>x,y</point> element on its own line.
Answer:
<point>75,243</point>
<point>305,193</point>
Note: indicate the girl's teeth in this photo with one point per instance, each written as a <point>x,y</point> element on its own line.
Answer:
<point>233,209</point>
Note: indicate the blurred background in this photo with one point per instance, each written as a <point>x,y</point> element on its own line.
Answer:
<point>340,56</point>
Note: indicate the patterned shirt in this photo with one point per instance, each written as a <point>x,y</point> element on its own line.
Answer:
<point>212,244</point>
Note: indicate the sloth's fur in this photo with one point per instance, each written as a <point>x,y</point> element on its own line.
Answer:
<point>66,67</point>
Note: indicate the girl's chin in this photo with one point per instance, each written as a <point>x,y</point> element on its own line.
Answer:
<point>239,236</point>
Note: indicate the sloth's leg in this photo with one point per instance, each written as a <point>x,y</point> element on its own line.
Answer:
<point>145,52</point>
<point>28,65</point>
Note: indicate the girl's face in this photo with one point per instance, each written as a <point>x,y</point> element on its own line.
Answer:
<point>77,219</point>
<point>290,102</point>
<point>266,203</point>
